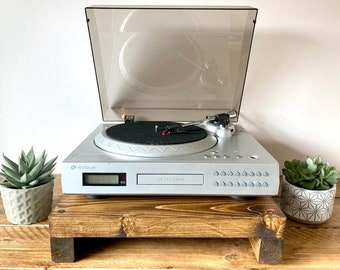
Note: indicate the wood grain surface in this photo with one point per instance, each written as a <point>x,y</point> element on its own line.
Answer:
<point>305,247</point>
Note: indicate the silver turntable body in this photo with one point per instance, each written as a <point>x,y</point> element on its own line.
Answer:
<point>156,77</point>
<point>237,166</point>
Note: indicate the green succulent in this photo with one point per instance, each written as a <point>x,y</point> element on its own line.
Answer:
<point>29,172</point>
<point>310,173</point>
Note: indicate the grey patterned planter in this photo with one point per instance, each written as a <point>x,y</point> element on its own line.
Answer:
<point>307,206</point>
<point>27,206</point>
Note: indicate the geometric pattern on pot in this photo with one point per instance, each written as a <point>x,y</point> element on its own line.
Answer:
<point>27,206</point>
<point>308,206</point>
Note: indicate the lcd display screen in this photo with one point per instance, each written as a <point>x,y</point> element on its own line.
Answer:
<point>102,179</point>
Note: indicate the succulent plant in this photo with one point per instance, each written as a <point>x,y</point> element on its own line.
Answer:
<point>30,171</point>
<point>311,173</point>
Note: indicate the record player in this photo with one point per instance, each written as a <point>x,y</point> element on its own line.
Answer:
<point>170,82</point>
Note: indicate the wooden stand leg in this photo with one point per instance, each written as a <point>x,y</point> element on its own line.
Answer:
<point>62,249</point>
<point>267,250</point>
<point>267,242</point>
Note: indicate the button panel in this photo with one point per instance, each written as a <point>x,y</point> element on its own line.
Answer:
<point>241,178</point>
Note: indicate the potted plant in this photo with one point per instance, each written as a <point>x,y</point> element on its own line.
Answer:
<point>308,190</point>
<point>27,187</point>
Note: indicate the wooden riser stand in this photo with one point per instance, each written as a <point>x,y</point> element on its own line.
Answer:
<point>76,216</point>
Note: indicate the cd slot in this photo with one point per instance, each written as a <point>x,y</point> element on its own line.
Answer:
<point>170,179</point>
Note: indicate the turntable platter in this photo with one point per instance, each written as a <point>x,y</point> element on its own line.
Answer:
<point>145,132</point>
<point>145,138</point>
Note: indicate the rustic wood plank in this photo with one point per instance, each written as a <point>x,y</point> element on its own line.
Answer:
<point>78,216</point>
<point>24,233</point>
<point>305,247</point>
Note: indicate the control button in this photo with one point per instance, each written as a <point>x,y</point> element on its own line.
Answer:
<point>258,184</point>
<point>230,184</point>
<point>214,152</point>
<point>230,173</point>
<point>251,184</point>
<point>244,184</point>
<point>258,174</point>
<point>226,156</point>
<point>265,173</point>
<point>265,184</point>
<point>223,173</point>
<point>237,173</point>
<point>207,156</point>
<point>216,184</point>
<point>244,173</point>
<point>216,173</point>
<point>239,157</point>
<point>223,184</point>
<point>217,156</point>
<point>237,184</point>
<point>251,173</point>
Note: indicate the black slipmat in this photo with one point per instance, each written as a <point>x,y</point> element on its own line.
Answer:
<point>144,132</point>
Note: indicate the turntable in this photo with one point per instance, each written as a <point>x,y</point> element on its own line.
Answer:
<point>170,82</point>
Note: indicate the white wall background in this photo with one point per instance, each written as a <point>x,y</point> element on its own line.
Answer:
<point>48,95</point>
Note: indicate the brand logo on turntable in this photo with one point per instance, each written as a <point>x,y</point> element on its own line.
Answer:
<point>84,167</point>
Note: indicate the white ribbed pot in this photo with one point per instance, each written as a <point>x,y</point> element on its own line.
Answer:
<point>307,206</point>
<point>27,206</point>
